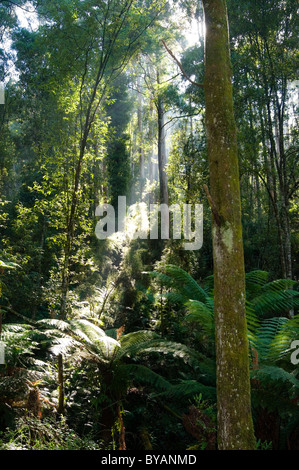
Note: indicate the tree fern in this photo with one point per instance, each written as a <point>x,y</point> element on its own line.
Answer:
<point>18,342</point>
<point>22,368</point>
<point>266,335</point>
<point>188,389</point>
<point>77,333</point>
<point>198,301</point>
<point>85,340</point>
<point>201,313</point>
<point>179,280</point>
<point>270,332</point>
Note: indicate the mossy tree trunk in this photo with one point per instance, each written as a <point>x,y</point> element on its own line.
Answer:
<point>235,427</point>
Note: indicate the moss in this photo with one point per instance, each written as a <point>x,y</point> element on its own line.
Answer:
<point>227,236</point>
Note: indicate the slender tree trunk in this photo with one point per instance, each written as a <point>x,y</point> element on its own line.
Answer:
<point>151,152</point>
<point>270,184</point>
<point>275,127</point>
<point>140,137</point>
<point>287,239</point>
<point>284,189</point>
<point>60,408</point>
<point>39,271</point>
<point>162,151</point>
<point>122,432</point>
<point>235,426</point>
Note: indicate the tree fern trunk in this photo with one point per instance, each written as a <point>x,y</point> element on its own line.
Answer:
<point>151,152</point>
<point>235,427</point>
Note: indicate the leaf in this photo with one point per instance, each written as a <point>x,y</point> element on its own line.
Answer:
<point>188,388</point>
<point>144,375</point>
<point>107,346</point>
<point>273,374</point>
<point>275,301</point>
<point>201,313</point>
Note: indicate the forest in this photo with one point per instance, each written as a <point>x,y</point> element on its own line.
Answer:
<point>149,181</point>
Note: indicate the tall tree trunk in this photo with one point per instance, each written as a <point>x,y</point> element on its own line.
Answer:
<point>36,302</point>
<point>162,150</point>
<point>140,137</point>
<point>235,426</point>
<point>60,407</point>
<point>151,152</point>
<point>122,430</point>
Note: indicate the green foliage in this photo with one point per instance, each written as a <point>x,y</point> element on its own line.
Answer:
<point>118,171</point>
<point>67,337</point>
<point>49,434</point>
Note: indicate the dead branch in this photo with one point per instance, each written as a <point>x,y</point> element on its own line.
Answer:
<point>199,85</point>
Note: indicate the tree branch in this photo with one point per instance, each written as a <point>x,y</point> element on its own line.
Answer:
<point>199,85</point>
<point>180,117</point>
<point>8,309</point>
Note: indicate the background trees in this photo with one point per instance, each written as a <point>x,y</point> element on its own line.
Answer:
<point>265,34</point>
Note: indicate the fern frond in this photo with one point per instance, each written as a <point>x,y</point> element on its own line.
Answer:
<point>15,328</point>
<point>185,283</point>
<point>86,330</point>
<point>8,265</point>
<point>208,283</point>
<point>275,302</point>
<point>176,350</point>
<point>131,343</point>
<point>279,285</point>
<point>162,278</point>
<point>63,346</point>
<point>289,331</point>
<point>256,278</point>
<point>266,334</point>
<point>173,297</point>
<point>107,347</point>
<point>252,320</point>
<point>53,322</point>
<point>188,388</point>
<point>201,313</point>
<point>254,281</point>
<point>268,374</point>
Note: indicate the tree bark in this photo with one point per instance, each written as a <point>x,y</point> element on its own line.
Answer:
<point>235,426</point>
